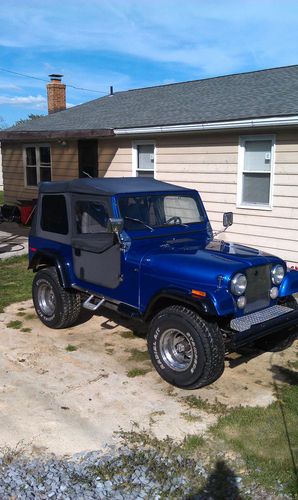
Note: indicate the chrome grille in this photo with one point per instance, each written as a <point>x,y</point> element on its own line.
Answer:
<point>258,288</point>
<point>249,320</point>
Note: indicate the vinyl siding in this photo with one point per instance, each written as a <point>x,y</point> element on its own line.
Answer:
<point>209,163</point>
<point>206,162</point>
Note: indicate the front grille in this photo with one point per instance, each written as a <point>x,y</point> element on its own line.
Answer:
<point>258,288</point>
<point>246,322</point>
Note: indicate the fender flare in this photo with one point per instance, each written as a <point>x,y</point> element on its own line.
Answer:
<point>48,257</point>
<point>204,307</point>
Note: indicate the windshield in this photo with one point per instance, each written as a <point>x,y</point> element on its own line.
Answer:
<point>153,211</point>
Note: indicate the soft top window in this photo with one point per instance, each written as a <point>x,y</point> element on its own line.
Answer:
<point>159,211</point>
<point>54,214</point>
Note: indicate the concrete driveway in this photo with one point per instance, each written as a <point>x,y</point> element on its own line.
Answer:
<point>13,239</point>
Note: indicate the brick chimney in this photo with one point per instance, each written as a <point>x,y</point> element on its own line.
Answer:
<point>56,94</point>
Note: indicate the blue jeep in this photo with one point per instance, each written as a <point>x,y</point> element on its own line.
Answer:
<point>145,249</point>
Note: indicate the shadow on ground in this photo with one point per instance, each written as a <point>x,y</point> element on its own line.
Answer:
<point>221,485</point>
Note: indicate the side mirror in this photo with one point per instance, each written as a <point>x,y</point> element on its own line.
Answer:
<point>115,225</point>
<point>227,219</point>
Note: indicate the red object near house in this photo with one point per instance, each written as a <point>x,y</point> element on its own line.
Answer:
<point>26,208</point>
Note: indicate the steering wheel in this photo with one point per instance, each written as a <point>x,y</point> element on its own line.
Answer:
<point>176,219</point>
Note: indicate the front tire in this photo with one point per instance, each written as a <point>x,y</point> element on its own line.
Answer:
<point>186,351</point>
<point>55,306</point>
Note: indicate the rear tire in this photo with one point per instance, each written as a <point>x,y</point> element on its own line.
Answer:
<point>186,351</point>
<point>55,306</point>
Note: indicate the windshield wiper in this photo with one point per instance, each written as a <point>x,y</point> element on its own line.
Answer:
<point>140,222</point>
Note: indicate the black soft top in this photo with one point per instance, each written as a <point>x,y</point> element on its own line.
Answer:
<point>109,186</point>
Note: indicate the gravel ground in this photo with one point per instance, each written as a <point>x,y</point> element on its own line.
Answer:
<point>122,473</point>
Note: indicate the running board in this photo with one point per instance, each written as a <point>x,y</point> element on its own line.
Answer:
<point>88,304</point>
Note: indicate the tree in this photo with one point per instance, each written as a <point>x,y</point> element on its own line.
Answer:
<point>32,116</point>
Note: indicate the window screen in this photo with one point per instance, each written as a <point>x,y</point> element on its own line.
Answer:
<point>257,171</point>
<point>145,160</point>
<point>54,214</point>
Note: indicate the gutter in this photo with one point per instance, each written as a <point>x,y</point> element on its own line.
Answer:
<point>57,134</point>
<point>232,124</point>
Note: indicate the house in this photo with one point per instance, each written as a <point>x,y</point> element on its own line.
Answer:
<point>234,138</point>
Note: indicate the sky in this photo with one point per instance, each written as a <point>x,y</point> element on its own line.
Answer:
<point>134,43</point>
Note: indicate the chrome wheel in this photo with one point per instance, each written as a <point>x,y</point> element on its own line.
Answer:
<point>46,299</point>
<point>176,349</point>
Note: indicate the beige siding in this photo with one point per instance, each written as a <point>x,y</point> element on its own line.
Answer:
<point>207,162</point>
<point>210,164</point>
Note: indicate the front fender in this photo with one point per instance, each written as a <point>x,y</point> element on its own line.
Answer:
<point>289,284</point>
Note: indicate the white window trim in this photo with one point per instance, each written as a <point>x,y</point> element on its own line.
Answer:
<point>241,153</point>
<point>135,145</point>
<point>38,167</point>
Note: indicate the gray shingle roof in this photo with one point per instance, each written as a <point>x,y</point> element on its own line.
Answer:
<point>266,93</point>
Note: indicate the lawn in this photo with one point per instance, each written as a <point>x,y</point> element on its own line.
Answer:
<point>266,438</point>
<point>15,280</point>
<point>1,198</point>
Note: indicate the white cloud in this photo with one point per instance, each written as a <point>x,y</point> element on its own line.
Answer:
<point>38,101</point>
<point>214,36</point>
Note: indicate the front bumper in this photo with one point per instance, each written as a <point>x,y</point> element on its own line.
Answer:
<point>254,326</point>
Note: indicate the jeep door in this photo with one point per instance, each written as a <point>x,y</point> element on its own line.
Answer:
<point>95,250</point>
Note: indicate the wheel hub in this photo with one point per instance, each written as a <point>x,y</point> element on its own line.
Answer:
<point>46,299</point>
<point>176,349</point>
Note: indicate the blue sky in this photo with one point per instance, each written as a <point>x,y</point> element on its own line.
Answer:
<point>135,43</point>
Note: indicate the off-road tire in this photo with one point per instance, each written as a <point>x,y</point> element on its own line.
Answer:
<point>203,340</point>
<point>282,340</point>
<point>64,307</point>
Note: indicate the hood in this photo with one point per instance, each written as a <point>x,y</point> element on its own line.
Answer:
<point>187,262</point>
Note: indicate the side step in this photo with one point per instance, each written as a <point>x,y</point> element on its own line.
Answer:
<point>88,304</point>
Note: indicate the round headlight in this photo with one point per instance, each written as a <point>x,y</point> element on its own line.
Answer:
<point>238,284</point>
<point>277,274</point>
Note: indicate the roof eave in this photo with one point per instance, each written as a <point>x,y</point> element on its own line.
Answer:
<point>18,135</point>
<point>219,125</point>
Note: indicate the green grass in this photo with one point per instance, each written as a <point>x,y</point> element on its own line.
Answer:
<point>26,330</point>
<point>138,372</point>
<point>30,316</point>
<point>138,355</point>
<point>127,334</point>
<point>16,324</point>
<point>1,197</point>
<point>16,280</point>
<point>71,348</point>
<point>197,403</point>
<point>261,436</point>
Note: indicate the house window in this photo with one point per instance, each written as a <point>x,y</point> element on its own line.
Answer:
<point>37,160</point>
<point>256,162</point>
<point>144,159</point>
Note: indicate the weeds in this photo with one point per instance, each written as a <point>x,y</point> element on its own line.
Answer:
<point>197,403</point>
<point>15,324</point>
<point>26,330</point>
<point>138,355</point>
<point>71,348</point>
<point>137,372</point>
<point>30,316</point>
<point>127,334</point>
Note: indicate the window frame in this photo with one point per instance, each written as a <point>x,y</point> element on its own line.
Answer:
<point>241,158</point>
<point>38,166</point>
<point>135,168</point>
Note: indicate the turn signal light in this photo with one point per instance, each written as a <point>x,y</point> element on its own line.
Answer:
<point>198,293</point>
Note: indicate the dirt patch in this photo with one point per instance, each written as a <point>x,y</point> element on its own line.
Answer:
<point>66,401</point>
